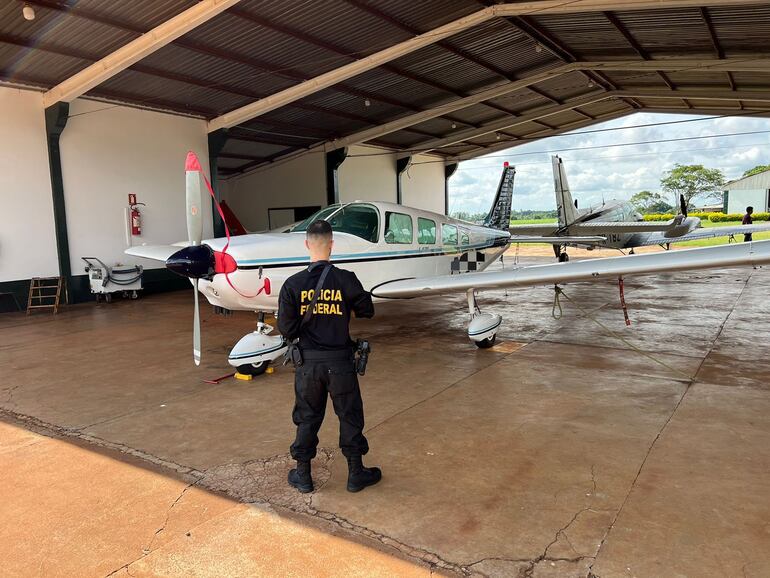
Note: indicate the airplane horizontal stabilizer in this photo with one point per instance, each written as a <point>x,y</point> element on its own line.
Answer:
<point>734,255</point>
<point>154,252</point>
<point>537,229</point>
<point>556,240</point>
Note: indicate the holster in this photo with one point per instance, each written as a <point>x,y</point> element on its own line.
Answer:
<point>362,355</point>
<point>293,355</point>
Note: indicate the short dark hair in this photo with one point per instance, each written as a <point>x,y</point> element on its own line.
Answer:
<point>319,228</point>
<point>749,209</point>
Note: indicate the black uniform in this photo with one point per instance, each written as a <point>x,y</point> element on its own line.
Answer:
<point>327,351</point>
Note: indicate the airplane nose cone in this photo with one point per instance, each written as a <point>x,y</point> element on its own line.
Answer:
<point>195,262</point>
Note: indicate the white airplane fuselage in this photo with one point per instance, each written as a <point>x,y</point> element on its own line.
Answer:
<point>455,247</point>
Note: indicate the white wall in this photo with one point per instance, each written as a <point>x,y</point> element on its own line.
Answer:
<point>27,239</point>
<point>367,178</point>
<point>739,199</point>
<point>422,184</point>
<point>297,183</point>
<point>109,151</point>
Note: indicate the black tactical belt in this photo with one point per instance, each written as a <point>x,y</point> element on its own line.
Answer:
<point>331,355</point>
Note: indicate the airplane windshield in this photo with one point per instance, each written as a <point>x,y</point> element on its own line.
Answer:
<point>357,219</point>
<point>322,214</point>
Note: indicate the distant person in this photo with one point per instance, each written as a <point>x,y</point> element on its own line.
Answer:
<point>748,220</point>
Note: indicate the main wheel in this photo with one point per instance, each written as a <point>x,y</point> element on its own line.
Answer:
<point>253,368</point>
<point>563,257</point>
<point>486,343</point>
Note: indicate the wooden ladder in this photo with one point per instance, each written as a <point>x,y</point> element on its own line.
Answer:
<point>44,293</point>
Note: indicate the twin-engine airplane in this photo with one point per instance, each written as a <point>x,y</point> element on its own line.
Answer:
<point>397,252</point>
<point>614,225</point>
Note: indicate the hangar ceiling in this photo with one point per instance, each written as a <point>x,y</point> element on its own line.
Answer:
<point>459,78</point>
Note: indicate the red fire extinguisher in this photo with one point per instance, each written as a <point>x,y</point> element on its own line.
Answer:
<point>135,216</point>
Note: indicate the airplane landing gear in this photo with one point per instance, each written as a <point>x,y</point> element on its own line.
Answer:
<point>561,253</point>
<point>254,352</point>
<point>483,327</point>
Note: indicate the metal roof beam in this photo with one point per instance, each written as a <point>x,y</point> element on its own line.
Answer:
<point>381,57</point>
<point>502,145</point>
<point>134,51</point>
<point>704,13</point>
<point>674,64</point>
<point>510,122</point>
<point>699,94</point>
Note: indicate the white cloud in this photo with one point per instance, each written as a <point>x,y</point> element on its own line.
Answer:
<point>615,170</point>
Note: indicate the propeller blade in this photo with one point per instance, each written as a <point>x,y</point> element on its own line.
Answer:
<point>194,199</point>
<point>196,329</point>
<point>682,205</point>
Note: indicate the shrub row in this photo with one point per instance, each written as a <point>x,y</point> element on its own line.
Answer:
<point>713,217</point>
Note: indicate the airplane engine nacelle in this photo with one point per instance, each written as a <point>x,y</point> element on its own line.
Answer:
<point>687,225</point>
<point>484,326</point>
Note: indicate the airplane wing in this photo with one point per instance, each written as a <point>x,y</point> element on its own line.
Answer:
<point>706,233</point>
<point>556,240</point>
<point>733,255</point>
<point>154,252</point>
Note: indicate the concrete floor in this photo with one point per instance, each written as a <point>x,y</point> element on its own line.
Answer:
<point>559,452</point>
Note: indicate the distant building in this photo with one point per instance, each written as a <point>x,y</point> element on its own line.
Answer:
<point>748,191</point>
<point>713,208</point>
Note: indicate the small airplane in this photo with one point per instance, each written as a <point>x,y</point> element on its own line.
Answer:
<point>397,252</point>
<point>614,225</point>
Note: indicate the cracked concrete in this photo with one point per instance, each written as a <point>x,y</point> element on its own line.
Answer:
<point>571,456</point>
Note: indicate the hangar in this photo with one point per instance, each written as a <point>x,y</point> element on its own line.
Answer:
<point>295,105</point>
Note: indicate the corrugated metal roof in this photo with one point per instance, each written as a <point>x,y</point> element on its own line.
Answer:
<point>262,47</point>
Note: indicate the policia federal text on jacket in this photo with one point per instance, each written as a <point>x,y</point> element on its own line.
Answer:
<point>314,307</point>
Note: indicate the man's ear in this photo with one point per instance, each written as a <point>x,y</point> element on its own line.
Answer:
<point>331,244</point>
<point>307,245</point>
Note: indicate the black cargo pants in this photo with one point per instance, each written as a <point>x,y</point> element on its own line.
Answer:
<point>329,373</point>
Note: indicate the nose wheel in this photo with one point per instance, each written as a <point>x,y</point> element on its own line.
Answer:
<point>483,327</point>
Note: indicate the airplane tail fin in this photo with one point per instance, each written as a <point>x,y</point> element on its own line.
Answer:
<point>565,206</point>
<point>499,216</point>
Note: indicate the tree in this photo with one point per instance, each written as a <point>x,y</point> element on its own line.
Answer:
<point>649,202</point>
<point>756,170</point>
<point>693,181</point>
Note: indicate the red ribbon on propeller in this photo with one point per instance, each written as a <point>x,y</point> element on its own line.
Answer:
<point>223,262</point>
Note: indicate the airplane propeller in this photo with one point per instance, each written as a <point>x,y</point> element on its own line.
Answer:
<point>682,205</point>
<point>196,260</point>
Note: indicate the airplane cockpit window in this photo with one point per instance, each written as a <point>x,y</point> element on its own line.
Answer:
<point>398,228</point>
<point>359,220</point>
<point>426,231</point>
<point>449,234</point>
<point>464,239</point>
<point>322,214</point>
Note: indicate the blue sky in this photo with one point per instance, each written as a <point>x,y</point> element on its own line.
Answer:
<point>615,171</point>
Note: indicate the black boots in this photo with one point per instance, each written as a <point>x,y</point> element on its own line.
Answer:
<point>299,478</point>
<point>360,477</point>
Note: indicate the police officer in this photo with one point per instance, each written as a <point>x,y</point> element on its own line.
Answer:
<point>314,306</point>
